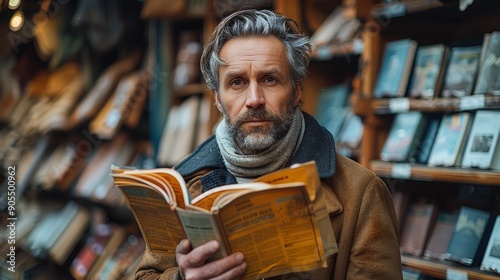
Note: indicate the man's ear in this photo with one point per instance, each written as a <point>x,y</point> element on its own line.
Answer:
<point>298,93</point>
<point>217,101</point>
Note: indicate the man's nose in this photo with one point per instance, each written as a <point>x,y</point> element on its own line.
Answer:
<point>255,98</point>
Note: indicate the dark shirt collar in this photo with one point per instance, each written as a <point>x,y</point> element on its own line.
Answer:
<point>317,144</point>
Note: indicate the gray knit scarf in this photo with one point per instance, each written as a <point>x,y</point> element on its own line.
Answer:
<point>248,167</point>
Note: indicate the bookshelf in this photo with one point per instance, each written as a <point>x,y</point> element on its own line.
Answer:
<point>356,61</point>
<point>427,22</point>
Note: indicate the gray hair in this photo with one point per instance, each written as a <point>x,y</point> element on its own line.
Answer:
<point>246,23</point>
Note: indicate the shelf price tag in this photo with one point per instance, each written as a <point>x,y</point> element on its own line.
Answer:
<point>397,105</point>
<point>472,102</point>
<point>401,170</point>
<point>452,274</point>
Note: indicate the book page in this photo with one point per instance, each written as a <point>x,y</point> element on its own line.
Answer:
<point>206,200</point>
<point>201,227</point>
<point>169,177</point>
<point>305,172</point>
<point>157,220</point>
<point>308,173</point>
<point>276,231</point>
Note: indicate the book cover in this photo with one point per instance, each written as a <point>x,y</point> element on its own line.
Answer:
<point>489,71</point>
<point>327,31</point>
<point>422,151</point>
<point>437,247</point>
<point>467,234</point>
<point>491,258</point>
<point>395,68</point>
<point>404,136</point>
<point>166,214</point>
<point>461,71</point>
<point>58,232</point>
<point>419,218</point>
<point>332,108</point>
<point>412,274</point>
<point>401,202</point>
<point>482,150</point>
<point>450,140</point>
<point>352,131</point>
<point>427,71</point>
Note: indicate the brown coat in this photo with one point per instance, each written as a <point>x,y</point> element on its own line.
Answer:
<point>362,217</point>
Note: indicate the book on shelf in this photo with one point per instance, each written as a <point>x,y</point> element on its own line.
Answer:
<point>461,71</point>
<point>94,182</point>
<point>437,247</point>
<point>416,230</point>
<point>103,88</point>
<point>483,149</point>
<point>422,151</point>
<point>449,144</point>
<point>287,203</point>
<point>332,109</point>
<point>179,134</point>
<point>124,101</point>
<point>395,68</point>
<point>58,232</point>
<point>427,73</point>
<point>97,248</point>
<point>401,200</point>
<point>125,259</point>
<point>489,71</point>
<point>352,132</point>
<point>491,258</point>
<point>337,27</point>
<point>467,235</point>
<point>404,136</point>
<point>412,273</point>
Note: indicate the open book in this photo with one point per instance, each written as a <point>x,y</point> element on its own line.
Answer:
<point>279,221</point>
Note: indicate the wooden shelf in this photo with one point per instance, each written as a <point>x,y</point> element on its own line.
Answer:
<point>437,268</point>
<point>428,173</point>
<point>473,102</point>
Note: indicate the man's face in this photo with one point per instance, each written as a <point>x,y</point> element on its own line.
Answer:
<point>256,96</point>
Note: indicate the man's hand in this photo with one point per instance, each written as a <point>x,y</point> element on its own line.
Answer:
<point>193,262</point>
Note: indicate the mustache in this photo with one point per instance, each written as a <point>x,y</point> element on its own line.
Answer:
<point>257,114</point>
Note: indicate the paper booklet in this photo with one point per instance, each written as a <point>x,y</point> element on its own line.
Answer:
<point>279,221</point>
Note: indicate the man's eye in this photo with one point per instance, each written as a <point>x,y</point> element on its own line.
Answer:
<point>236,83</point>
<point>270,80</point>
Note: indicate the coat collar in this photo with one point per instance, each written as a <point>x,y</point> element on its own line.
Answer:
<point>317,144</point>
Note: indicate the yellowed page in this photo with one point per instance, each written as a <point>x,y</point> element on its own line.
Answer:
<point>158,221</point>
<point>201,227</point>
<point>126,180</point>
<point>304,172</point>
<point>209,198</point>
<point>169,177</point>
<point>275,230</point>
<point>308,173</point>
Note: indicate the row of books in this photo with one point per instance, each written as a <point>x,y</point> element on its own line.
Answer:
<point>438,70</point>
<point>334,112</point>
<point>460,139</point>
<point>466,235</point>
<point>76,239</point>
<point>189,123</point>
<point>78,166</point>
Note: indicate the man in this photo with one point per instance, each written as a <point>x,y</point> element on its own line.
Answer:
<point>255,62</point>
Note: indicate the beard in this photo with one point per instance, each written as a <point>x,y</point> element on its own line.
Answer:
<point>257,139</point>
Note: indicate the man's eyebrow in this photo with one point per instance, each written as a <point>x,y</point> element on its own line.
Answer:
<point>271,72</point>
<point>232,74</point>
